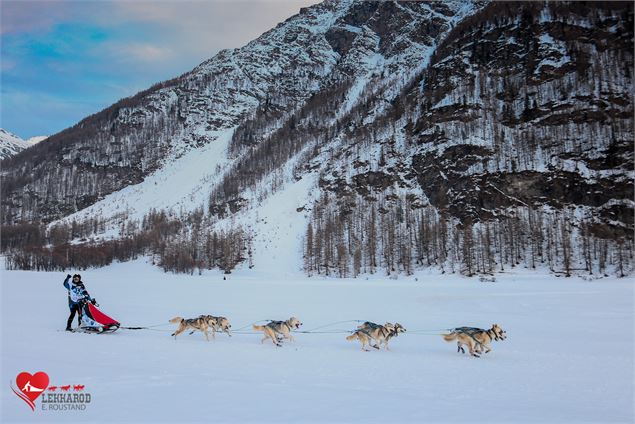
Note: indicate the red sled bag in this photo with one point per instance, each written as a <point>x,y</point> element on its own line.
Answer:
<point>94,320</point>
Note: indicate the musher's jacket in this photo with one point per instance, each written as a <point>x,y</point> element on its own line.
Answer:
<point>76,292</point>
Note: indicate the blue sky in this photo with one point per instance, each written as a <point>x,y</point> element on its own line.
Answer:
<point>64,60</point>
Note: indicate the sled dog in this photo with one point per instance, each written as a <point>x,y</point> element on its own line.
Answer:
<point>221,324</point>
<point>201,324</point>
<point>216,324</point>
<point>397,328</point>
<point>380,333</point>
<point>476,339</point>
<point>278,330</point>
<point>364,338</point>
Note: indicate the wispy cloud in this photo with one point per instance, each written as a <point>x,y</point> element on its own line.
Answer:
<point>30,16</point>
<point>141,53</point>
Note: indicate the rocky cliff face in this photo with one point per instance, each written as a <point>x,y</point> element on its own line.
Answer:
<point>524,113</point>
<point>455,119</point>
<point>529,106</point>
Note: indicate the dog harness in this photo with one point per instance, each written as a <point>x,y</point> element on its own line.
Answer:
<point>470,331</point>
<point>273,324</point>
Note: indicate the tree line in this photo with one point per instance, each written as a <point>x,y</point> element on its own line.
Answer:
<point>176,244</point>
<point>391,235</point>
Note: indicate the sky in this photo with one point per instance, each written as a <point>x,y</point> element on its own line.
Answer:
<point>64,60</point>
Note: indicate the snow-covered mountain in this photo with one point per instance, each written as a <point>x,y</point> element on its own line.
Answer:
<point>310,52</point>
<point>36,139</point>
<point>358,136</point>
<point>11,144</point>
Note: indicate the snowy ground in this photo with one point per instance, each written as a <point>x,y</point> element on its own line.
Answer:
<point>568,356</point>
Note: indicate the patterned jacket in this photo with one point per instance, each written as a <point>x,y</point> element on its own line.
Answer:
<point>76,292</point>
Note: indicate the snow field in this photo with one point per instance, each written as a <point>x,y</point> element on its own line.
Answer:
<point>568,356</point>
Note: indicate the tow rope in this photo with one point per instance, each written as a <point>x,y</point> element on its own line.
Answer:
<point>314,330</point>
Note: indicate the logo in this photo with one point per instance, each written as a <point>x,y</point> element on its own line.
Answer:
<point>66,397</point>
<point>31,386</point>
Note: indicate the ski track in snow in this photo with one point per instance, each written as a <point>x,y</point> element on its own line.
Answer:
<point>568,356</point>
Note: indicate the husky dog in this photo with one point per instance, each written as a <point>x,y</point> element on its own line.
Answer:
<point>221,324</point>
<point>397,328</point>
<point>364,338</point>
<point>216,324</point>
<point>476,339</point>
<point>278,330</point>
<point>379,333</point>
<point>201,324</point>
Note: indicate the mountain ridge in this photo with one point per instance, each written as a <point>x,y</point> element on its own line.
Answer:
<point>11,144</point>
<point>462,113</point>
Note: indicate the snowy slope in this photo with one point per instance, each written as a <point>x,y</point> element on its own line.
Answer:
<point>189,173</point>
<point>568,357</point>
<point>274,221</point>
<point>183,184</point>
<point>36,139</point>
<point>277,225</point>
<point>11,144</point>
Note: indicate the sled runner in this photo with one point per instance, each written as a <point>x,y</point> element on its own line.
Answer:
<point>95,321</point>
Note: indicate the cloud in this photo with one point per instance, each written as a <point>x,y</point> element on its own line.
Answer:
<point>203,27</point>
<point>37,16</point>
<point>23,16</point>
<point>137,52</point>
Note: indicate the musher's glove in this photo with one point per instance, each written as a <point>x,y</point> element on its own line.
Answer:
<point>68,275</point>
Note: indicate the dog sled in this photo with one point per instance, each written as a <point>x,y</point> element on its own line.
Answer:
<point>95,321</point>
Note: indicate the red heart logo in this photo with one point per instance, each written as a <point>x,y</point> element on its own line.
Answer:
<point>31,386</point>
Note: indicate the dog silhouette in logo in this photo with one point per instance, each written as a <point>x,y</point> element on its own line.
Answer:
<point>52,388</point>
<point>65,388</point>
<point>78,387</point>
